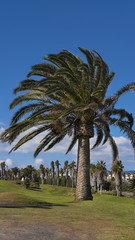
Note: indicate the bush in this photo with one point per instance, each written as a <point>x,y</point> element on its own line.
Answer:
<point>125,187</point>
<point>107,186</point>
<point>27,183</point>
<point>34,185</point>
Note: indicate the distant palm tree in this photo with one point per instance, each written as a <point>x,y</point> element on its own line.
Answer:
<point>129,175</point>
<point>42,170</point>
<point>61,172</point>
<point>57,164</point>
<point>15,172</point>
<point>46,173</point>
<point>3,171</point>
<point>93,176</point>
<point>52,172</point>
<point>28,172</point>
<point>117,169</point>
<point>72,168</point>
<point>124,176</point>
<point>70,99</point>
<point>66,167</point>
<point>101,170</point>
<point>9,174</point>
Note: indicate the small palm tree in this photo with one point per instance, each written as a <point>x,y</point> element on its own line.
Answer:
<point>52,172</point>
<point>9,174</point>
<point>28,172</point>
<point>72,168</point>
<point>66,167</point>
<point>57,164</point>
<point>42,170</point>
<point>70,98</point>
<point>93,176</point>
<point>15,172</point>
<point>46,173</point>
<point>117,169</point>
<point>61,172</point>
<point>101,170</point>
<point>3,171</point>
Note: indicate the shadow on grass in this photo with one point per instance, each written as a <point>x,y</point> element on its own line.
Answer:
<point>31,205</point>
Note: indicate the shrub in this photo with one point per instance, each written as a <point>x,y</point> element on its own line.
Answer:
<point>27,183</point>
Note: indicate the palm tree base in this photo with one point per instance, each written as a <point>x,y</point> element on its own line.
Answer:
<point>84,199</point>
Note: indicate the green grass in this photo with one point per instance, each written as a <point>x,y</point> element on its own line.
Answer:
<point>106,217</point>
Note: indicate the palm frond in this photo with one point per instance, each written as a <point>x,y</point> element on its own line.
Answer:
<point>72,143</point>
<point>99,136</point>
<point>114,148</point>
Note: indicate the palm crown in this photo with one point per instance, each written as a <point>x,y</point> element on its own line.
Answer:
<point>69,99</point>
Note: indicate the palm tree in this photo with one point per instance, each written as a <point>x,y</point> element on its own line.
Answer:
<point>93,176</point>
<point>101,170</point>
<point>117,169</point>
<point>46,173</point>
<point>57,170</point>
<point>66,166</point>
<point>9,174</point>
<point>52,172</point>
<point>42,170</point>
<point>28,172</point>
<point>72,168</point>
<point>3,171</point>
<point>70,98</point>
<point>15,172</point>
<point>61,172</point>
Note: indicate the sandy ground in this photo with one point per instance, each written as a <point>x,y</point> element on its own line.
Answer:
<point>37,233</point>
<point>12,229</point>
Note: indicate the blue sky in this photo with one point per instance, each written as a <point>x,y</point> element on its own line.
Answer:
<point>31,29</point>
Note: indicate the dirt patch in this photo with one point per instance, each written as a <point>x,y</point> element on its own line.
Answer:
<point>38,232</point>
<point>7,197</point>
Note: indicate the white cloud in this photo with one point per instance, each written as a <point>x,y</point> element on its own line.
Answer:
<point>122,140</point>
<point>9,162</point>
<point>38,161</point>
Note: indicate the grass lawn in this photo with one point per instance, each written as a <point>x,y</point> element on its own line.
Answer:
<point>57,216</point>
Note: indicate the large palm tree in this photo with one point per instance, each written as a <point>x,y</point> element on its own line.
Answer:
<point>70,98</point>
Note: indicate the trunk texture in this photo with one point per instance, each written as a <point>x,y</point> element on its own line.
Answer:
<point>93,180</point>
<point>57,174</point>
<point>118,180</point>
<point>83,189</point>
<point>66,178</point>
<point>72,178</point>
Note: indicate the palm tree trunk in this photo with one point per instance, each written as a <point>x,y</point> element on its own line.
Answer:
<point>66,177</point>
<point>57,176</point>
<point>118,181</point>
<point>101,189</point>
<point>72,178</point>
<point>83,189</point>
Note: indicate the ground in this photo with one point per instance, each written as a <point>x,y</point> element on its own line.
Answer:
<point>51,213</point>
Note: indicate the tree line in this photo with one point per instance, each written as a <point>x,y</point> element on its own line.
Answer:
<point>66,176</point>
